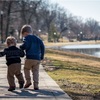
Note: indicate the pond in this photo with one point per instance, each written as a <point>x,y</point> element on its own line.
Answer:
<point>91,49</point>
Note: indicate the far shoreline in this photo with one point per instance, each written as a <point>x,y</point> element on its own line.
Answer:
<point>70,43</point>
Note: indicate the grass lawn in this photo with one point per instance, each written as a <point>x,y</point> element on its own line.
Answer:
<point>77,74</point>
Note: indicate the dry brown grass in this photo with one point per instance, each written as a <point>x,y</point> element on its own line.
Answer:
<point>77,74</point>
<point>74,57</point>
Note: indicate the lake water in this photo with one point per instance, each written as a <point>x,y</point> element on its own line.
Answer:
<point>91,49</point>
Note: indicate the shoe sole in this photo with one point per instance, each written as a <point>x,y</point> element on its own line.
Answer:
<point>26,86</point>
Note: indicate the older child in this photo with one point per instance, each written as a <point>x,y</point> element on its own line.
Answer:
<point>13,55</point>
<point>35,49</point>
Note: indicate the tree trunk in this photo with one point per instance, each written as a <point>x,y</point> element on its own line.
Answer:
<point>8,17</point>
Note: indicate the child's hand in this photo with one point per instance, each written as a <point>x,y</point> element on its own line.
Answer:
<point>2,54</point>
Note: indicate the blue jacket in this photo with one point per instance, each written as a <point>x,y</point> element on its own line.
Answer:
<point>34,47</point>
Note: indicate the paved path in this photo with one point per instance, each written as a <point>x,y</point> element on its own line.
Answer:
<point>49,90</point>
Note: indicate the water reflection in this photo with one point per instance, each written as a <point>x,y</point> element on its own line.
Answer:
<point>82,46</point>
<point>97,54</point>
<point>86,49</point>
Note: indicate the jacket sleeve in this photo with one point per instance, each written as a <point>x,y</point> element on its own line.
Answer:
<point>22,53</point>
<point>2,53</point>
<point>25,44</point>
<point>42,50</point>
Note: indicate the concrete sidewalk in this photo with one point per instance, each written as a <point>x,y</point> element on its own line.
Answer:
<point>49,90</point>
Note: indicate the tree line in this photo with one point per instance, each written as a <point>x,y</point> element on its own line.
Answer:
<point>47,18</point>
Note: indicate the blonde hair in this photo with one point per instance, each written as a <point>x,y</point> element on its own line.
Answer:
<point>11,40</point>
<point>26,28</point>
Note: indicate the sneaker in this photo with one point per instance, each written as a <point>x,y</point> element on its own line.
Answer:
<point>36,88</point>
<point>27,85</point>
<point>21,85</point>
<point>11,88</point>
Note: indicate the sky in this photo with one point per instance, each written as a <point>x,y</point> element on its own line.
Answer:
<point>84,8</point>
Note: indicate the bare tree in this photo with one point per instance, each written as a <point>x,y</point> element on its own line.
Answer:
<point>92,25</point>
<point>45,16</point>
<point>28,10</point>
<point>48,15</point>
<point>7,7</point>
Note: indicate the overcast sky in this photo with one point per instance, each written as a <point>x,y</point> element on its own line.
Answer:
<point>83,8</point>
